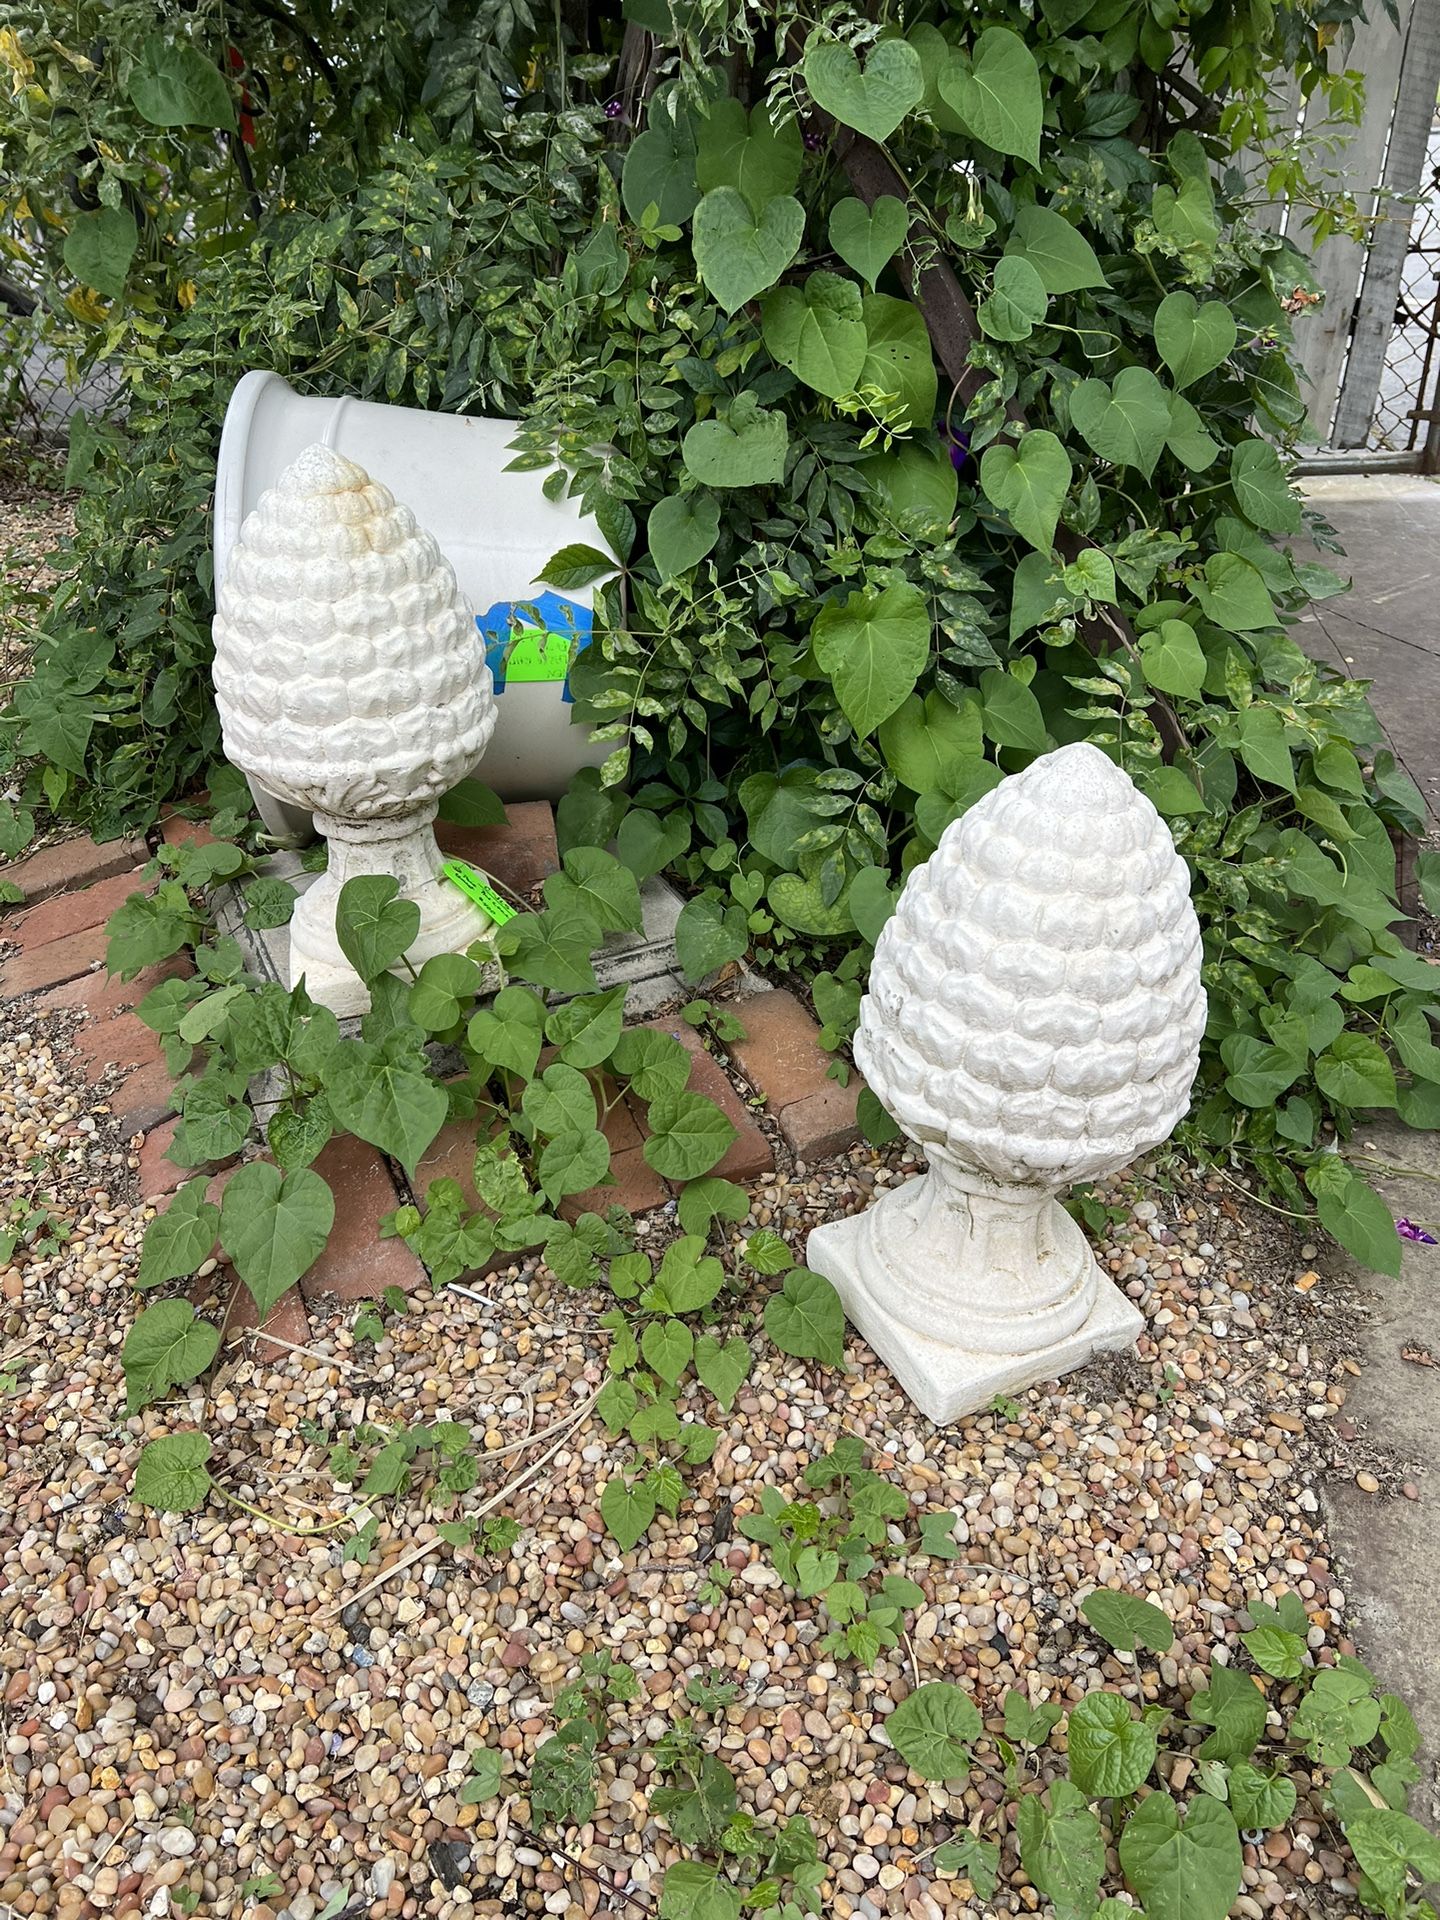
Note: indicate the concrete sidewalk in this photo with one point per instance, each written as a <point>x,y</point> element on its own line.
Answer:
<point>1387,630</point>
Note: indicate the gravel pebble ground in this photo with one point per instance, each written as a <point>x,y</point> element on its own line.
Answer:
<point>193,1703</point>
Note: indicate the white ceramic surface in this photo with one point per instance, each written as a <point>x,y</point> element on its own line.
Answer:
<point>1033,1019</point>
<point>497,529</point>
<point>351,682</point>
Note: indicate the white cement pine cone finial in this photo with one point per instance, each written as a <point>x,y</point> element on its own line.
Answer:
<point>1035,1007</point>
<point>349,673</point>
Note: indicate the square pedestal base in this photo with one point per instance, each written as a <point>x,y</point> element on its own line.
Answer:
<point>946,1381</point>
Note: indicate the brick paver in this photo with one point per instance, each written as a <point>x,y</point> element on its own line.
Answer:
<point>357,1264</point>
<point>519,855</point>
<point>749,1154</point>
<point>287,1319</point>
<point>159,1176</point>
<point>782,1058</point>
<point>72,912</point>
<point>53,964</point>
<point>102,995</point>
<point>69,864</point>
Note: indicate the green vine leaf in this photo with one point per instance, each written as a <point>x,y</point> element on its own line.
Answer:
<point>873,645</point>
<point>274,1227</point>
<point>180,1239</point>
<point>1062,1848</point>
<point>1111,1752</point>
<point>805,1318</point>
<point>745,151</point>
<point>1062,256</point>
<point>1127,421</point>
<point>817,332</point>
<point>373,924</point>
<point>1128,1622</point>
<point>627,1508</point>
<point>745,449</point>
<point>682,530</point>
<point>166,1345</point>
<point>1192,339</point>
<point>688,1135</point>
<point>868,238</point>
<point>174,85</point>
<point>1029,482</point>
<point>723,1369</point>
<point>933,1730</point>
<point>873,100</point>
<point>1182,1872</point>
<point>997,93</point>
<point>171,1475</point>
<point>1017,302</point>
<point>393,1104</point>
<point>740,251</point>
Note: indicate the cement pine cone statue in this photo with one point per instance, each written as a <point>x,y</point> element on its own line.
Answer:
<point>1033,1019</point>
<point>351,679</point>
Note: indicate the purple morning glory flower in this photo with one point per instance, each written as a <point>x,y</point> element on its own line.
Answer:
<point>813,141</point>
<point>1408,1230</point>
<point>959,442</point>
<point>614,109</point>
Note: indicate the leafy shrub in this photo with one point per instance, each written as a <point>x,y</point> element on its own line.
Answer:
<point>931,384</point>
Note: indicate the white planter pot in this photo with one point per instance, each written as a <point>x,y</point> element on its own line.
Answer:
<point>497,529</point>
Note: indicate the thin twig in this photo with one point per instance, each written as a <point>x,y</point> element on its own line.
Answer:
<point>291,1346</point>
<point>914,1663</point>
<point>427,1547</point>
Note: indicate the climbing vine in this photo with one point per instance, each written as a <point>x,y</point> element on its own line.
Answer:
<point>932,386</point>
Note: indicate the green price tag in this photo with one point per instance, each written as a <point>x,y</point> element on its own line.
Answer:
<point>477,888</point>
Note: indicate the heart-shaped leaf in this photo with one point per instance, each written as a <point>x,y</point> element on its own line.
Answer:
<point>682,530</point>
<point>934,1728</point>
<point>874,100</point>
<point>1187,439</point>
<point>925,742</point>
<point>659,168</point>
<point>817,332</point>
<point>739,252</point>
<point>627,1510</point>
<point>898,356</point>
<point>98,250</point>
<point>1234,597</point>
<point>1126,422</point>
<point>798,903</point>
<point>1172,660</point>
<point>171,1474</point>
<point>1029,482</point>
<point>1192,339</point>
<point>174,85</point>
<point>1017,301</point>
<point>275,1227</point>
<point>166,1345</point>
<point>1063,258</point>
<point>1062,1848</point>
<point>688,1135</point>
<point>997,93</point>
<point>1261,487</point>
<point>373,925</point>
<point>742,150</point>
<point>723,1370</point>
<point>745,449</point>
<point>868,238</point>
<point>874,645</point>
<point>1189,1872</point>
<point>1111,1752</point>
<point>667,1346</point>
